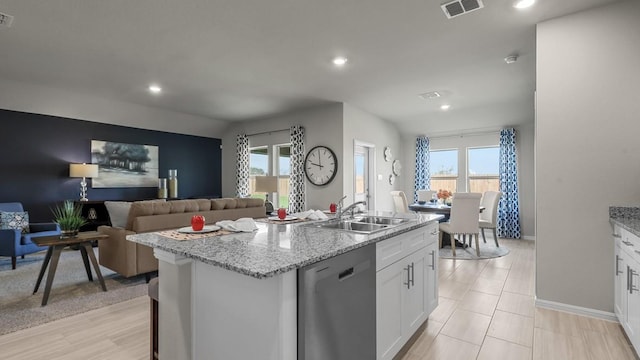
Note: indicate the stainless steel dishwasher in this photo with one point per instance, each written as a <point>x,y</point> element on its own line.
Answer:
<point>337,307</point>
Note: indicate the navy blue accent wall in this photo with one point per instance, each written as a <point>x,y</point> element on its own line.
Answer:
<point>36,151</point>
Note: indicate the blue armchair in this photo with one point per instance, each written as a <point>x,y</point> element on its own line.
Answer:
<point>13,243</point>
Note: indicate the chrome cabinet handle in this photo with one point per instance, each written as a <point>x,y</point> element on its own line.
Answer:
<point>632,288</point>
<point>627,243</point>
<point>617,236</point>
<point>433,259</point>
<point>627,277</point>
<point>618,265</point>
<point>434,232</point>
<point>413,276</point>
<point>637,252</point>
<point>408,283</point>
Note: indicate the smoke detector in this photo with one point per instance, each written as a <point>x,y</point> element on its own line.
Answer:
<point>460,7</point>
<point>5,20</point>
<point>511,59</point>
<point>430,95</point>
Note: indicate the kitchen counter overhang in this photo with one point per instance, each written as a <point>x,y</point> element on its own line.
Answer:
<point>278,248</point>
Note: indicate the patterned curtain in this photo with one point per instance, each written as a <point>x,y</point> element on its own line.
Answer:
<point>423,177</point>
<point>297,196</point>
<point>508,208</point>
<point>242,166</point>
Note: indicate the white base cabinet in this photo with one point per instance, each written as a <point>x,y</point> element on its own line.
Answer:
<point>627,283</point>
<point>406,287</point>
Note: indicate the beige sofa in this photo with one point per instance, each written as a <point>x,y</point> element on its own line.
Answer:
<point>129,259</point>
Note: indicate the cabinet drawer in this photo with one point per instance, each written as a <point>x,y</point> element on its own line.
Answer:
<point>398,247</point>
<point>630,244</point>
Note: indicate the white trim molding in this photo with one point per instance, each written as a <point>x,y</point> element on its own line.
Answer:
<point>578,310</point>
<point>529,237</point>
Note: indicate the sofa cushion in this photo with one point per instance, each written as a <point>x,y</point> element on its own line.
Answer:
<point>118,212</point>
<point>230,203</point>
<point>203,204</point>
<point>241,203</point>
<point>254,202</point>
<point>218,204</point>
<point>18,220</point>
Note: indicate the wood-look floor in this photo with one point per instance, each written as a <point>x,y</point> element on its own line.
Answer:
<point>486,311</point>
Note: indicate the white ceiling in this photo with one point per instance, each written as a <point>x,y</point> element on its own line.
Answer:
<point>244,59</point>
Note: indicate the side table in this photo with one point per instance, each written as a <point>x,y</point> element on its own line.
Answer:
<point>56,244</point>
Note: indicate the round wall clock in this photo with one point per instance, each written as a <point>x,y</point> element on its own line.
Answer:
<point>320,165</point>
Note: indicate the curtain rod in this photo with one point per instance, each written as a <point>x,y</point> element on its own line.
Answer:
<point>465,134</point>
<point>267,132</point>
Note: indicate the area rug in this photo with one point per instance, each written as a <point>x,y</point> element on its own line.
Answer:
<point>71,292</point>
<point>487,251</point>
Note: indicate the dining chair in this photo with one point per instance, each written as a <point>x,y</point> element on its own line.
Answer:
<point>400,202</point>
<point>489,217</point>
<point>425,195</point>
<point>463,219</point>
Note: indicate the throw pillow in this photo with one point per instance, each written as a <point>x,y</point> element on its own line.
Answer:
<point>118,212</point>
<point>15,221</point>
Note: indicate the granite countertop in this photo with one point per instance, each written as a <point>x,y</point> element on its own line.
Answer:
<point>276,248</point>
<point>628,217</point>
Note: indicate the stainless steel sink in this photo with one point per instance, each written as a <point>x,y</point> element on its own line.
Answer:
<point>353,226</point>
<point>381,220</point>
<point>362,225</point>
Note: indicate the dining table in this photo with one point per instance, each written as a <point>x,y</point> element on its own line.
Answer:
<point>435,208</point>
<point>439,209</point>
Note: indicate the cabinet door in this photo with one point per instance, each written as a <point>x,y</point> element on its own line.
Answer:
<point>431,278</point>
<point>620,283</point>
<point>390,294</point>
<point>633,304</point>
<point>415,305</point>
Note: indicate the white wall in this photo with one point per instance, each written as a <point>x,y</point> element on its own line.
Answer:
<point>587,148</point>
<point>362,126</point>
<point>525,148</point>
<point>323,126</point>
<point>40,99</point>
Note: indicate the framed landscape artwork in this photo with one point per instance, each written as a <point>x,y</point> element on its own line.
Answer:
<point>124,165</point>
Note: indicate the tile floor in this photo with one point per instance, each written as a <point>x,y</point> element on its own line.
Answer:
<point>486,311</point>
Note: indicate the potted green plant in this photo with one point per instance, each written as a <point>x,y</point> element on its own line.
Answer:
<point>69,217</point>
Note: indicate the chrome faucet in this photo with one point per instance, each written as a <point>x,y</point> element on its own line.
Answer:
<point>351,208</point>
<point>339,205</point>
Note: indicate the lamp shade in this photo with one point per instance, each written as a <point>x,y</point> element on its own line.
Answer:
<point>83,170</point>
<point>266,184</point>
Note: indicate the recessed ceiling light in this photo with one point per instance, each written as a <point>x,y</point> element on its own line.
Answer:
<point>155,89</point>
<point>521,4</point>
<point>340,61</point>
<point>445,107</point>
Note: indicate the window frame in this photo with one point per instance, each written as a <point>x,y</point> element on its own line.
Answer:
<point>446,177</point>
<point>470,177</point>
<point>273,169</point>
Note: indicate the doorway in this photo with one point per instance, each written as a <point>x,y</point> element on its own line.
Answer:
<point>363,169</point>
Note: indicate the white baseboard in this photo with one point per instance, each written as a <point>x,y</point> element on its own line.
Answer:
<point>527,237</point>
<point>578,310</point>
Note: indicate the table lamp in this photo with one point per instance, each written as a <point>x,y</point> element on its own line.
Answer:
<point>268,185</point>
<point>83,171</point>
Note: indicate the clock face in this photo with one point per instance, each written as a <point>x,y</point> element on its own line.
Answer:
<point>320,165</point>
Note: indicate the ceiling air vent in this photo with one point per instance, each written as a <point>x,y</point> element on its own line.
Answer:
<point>5,20</point>
<point>461,7</point>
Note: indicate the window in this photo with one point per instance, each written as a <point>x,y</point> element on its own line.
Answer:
<point>482,169</point>
<point>271,161</point>
<point>444,169</point>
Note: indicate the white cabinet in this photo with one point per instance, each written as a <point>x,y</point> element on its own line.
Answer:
<point>406,287</point>
<point>627,283</point>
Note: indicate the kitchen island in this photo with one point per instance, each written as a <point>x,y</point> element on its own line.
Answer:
<point>235,296</point>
